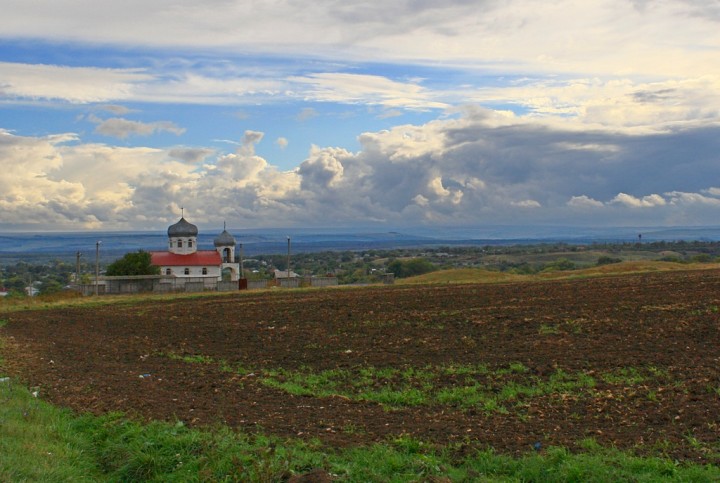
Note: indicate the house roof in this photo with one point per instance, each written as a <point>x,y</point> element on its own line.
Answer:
<point>199,258</point>
<point>284,274</point>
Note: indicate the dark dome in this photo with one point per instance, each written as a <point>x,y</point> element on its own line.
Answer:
<point>182,229</point>
<point>225,239</point>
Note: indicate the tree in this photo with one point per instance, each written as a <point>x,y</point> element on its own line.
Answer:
<point>410,268</point>
<point>136,263</point>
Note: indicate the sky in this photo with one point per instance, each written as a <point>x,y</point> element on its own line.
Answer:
<point>358,113</point>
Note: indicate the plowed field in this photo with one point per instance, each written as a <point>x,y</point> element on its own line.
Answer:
<point>631,361</point>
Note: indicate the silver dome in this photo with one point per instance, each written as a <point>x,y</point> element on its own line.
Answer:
<point>182,228</point>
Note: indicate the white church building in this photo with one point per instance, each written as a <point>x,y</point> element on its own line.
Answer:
<point>184,260</point>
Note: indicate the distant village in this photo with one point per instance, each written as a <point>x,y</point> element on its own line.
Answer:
<point>187,267</point>
<point>184,267</point>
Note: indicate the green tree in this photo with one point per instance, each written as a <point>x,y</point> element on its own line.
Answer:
<point>410,268</point>
<point>50,286</point>
<point>135,263</point>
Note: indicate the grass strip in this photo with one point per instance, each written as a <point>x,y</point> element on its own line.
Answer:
<point>458,386</point>
<point>39,442</point>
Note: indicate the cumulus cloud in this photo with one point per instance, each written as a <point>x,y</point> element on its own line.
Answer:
<point>475,168</point>
<point>249,140</point>
<point>322,170</point>
<point>678,197</point>
<point>649,201</point>
<point>583,201</point>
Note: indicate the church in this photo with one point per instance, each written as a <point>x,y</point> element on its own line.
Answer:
<point>184,260</point>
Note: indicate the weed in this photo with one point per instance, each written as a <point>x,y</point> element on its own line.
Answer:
<point>574,326</point>
<point>463,396</point>
<point>351,428</point>
<point>713,389</point>
<point>626,376</point>
<point>518,368</point>
<point>546,329</point>
<point>191,359</point>
<point>479,369</point>
<point>468,341</point>
<point>693,441</point>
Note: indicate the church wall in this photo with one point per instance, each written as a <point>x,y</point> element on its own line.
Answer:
<point>179,271</point>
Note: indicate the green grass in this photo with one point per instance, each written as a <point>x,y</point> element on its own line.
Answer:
<point>459,386</point>
<point>463,387</point>
<point>39,442</point>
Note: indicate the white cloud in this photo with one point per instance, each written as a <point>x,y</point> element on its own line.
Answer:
<point>668,38</point>
<point>421,200</point>
<point>584,202</point>
<point>366,89</point>
<point>73,84</point>
<point>307,114</point>
<point>123,128</point>
<point>282,142</point>
<point>526,204</point>
<point>322,170</point>
<point>476,168</point>
<point>678,197</point>
<point>115,109</point>
<point>649,201</point>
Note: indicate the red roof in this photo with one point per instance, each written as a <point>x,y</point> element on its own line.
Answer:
<point>199,258</point>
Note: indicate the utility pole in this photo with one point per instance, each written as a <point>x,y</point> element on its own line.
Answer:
<point>242,270</point>
<point>288,261</point>
<point>77,268</point>
<point>97,265</point>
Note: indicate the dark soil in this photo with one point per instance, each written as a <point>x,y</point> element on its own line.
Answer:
<point>114,358</point>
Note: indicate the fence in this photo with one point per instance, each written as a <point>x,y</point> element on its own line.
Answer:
<point>155,284</point>
<point>169,284</point>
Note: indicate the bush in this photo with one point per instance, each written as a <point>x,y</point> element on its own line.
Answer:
<point>606,260</point>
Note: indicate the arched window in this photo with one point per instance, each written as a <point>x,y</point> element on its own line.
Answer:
<point>189,243</point>
<point>187,271</point>
<point>168,271</point>
<point>179,243</point>
<point>204,270</point>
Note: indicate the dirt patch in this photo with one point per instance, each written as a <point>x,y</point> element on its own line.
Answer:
<point>650,344</point>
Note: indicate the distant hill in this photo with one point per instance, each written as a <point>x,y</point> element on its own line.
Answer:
<point>270,241</point>
<point>477,275</point>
